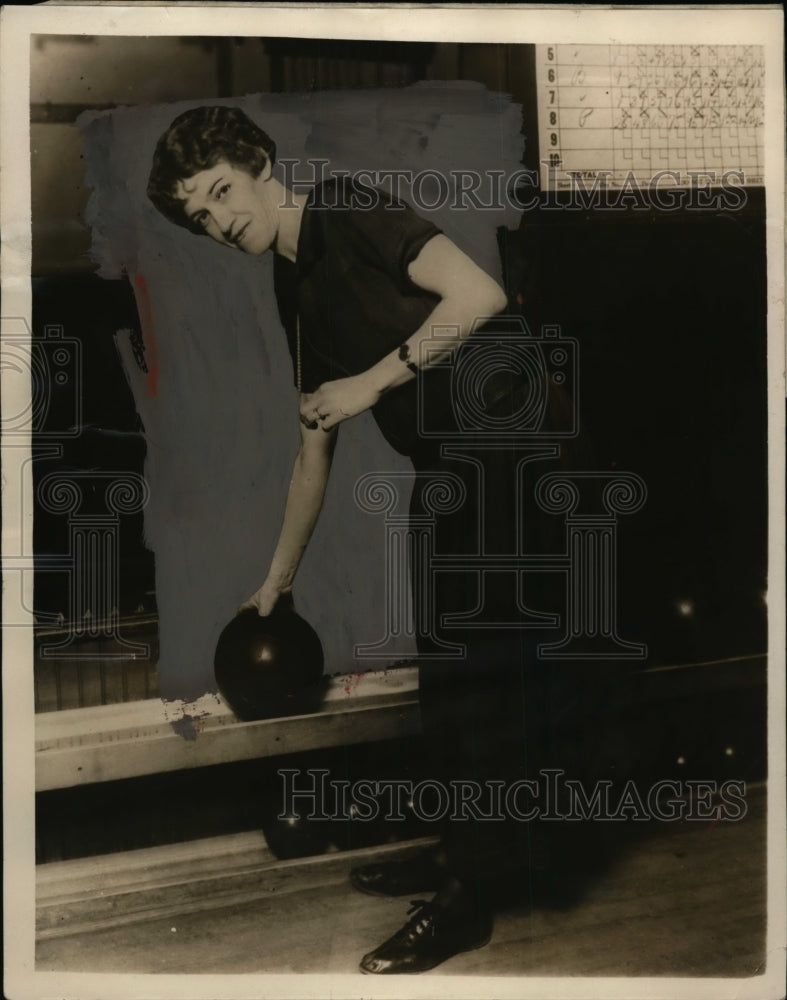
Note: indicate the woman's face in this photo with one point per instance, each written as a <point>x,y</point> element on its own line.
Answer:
<point>233,207</point>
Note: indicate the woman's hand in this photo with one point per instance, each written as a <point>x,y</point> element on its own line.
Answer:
<point>265,599</point>
<point>336,401</point>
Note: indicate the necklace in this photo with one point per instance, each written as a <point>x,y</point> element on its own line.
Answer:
<point>298,379</point>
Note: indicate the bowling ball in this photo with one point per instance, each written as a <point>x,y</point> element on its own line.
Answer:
<point>269,667</point>
<point>294,836</point>
<point>288,830</point>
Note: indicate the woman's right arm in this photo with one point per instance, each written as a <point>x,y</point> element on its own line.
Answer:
<point>304,501</point>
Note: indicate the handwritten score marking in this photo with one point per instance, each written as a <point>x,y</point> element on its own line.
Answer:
<point>635,110</point>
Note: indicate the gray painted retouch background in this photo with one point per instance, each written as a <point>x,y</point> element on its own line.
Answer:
<point>221,419</point>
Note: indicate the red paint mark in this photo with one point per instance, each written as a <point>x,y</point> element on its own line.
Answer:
<point>352,683</point>
<point>519,299</point>
<point>148,335</point>
<point>716,820</point>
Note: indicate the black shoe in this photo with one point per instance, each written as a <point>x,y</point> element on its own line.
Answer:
<point>430,937</point>
<point>398,878</point>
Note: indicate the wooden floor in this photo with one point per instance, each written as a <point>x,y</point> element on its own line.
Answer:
<point>687,899</point>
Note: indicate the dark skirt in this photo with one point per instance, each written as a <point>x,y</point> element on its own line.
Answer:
<point>492,708</point>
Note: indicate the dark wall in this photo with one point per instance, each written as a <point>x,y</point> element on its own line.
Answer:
<point>670,315</point>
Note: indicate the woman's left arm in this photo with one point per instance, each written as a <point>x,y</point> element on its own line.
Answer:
<point>467,294</point>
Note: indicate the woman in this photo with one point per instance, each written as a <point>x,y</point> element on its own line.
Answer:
<point>361,281</point>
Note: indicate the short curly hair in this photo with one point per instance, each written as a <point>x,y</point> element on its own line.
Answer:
<point>197,140</point>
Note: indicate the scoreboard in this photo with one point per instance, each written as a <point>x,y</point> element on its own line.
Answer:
<point>618,112</point>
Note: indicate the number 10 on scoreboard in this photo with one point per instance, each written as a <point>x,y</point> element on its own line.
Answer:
<point>547,86</point>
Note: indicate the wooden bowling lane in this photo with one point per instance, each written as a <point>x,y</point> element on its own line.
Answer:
<point>687,899</point>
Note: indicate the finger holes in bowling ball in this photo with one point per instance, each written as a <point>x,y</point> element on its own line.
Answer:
<point>269,667</point>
